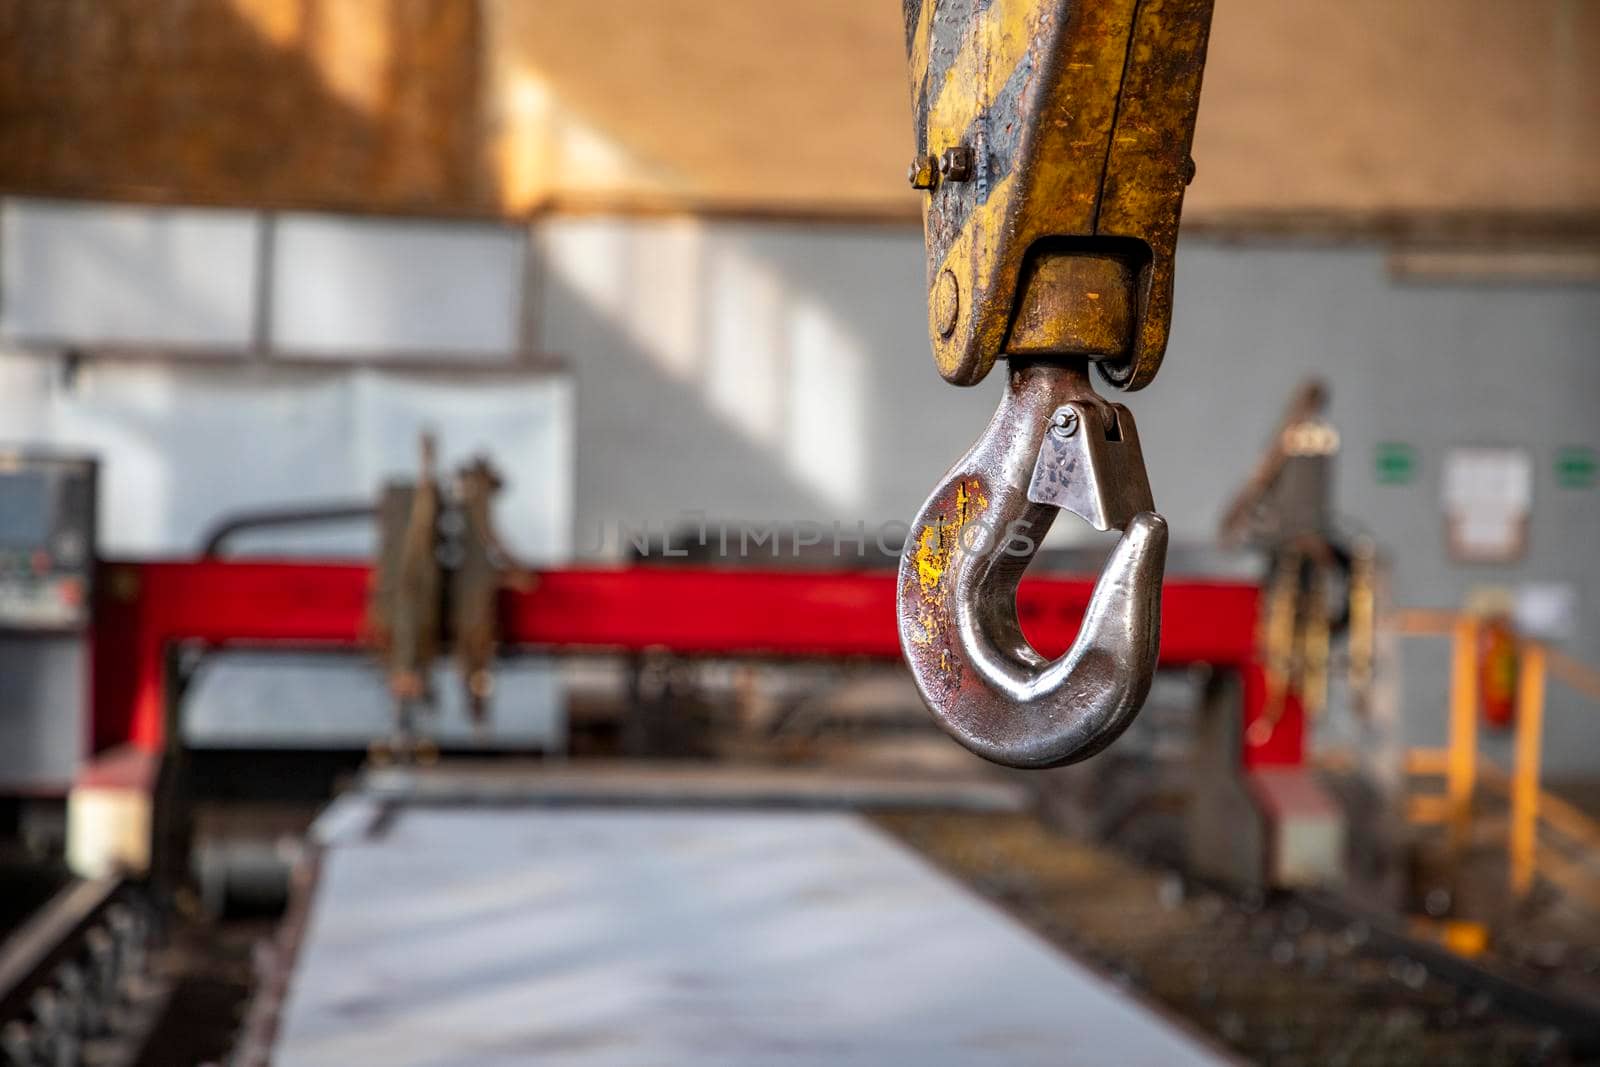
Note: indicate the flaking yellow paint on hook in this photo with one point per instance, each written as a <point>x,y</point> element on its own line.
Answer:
<point>935,545</point>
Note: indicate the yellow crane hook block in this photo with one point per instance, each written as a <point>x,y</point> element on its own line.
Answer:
<point>1053,141</point>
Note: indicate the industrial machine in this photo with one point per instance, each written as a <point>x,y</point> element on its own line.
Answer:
<point>1274,822</point>
<point>440,565</point>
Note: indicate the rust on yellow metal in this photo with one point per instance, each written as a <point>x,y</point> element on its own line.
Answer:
<point>932,555</point>
<point>1074,303</point>
<point>1076,120</point>
<point>1149,166</point>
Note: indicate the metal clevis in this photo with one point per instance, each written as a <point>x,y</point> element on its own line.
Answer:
<point>1053,148</point>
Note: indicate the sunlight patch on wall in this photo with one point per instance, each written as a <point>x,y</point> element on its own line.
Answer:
<point>353,46</point>
<point>523,145</point>
<point>751,348</point>
<point>350,42</point>
<point>745,372</point>
<point>542,146</point>
<point>826,424</point>
<point>646,280</point>
<point>665,309</point>
<point>281,23</point>
<point>591,259</point>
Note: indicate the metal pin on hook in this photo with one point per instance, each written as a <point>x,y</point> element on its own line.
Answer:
<point>1053,445</point>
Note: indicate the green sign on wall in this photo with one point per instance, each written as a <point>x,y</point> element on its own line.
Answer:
<point>1395,463</point>
<point>1576,467</point>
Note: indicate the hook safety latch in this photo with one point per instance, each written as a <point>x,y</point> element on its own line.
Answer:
<point>1053,445</point>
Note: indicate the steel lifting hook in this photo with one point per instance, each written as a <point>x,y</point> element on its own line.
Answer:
<point>1052,150</point>
<point>1052,445</point>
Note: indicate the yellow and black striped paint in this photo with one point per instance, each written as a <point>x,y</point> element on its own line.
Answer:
<point>1079,116</point>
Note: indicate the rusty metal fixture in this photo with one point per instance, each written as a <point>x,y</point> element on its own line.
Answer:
<point>475,587</point>
<point>1064,423</point>
<point>967,549</point>
<point>1074,303</point>
<point>1315,639</point>
<point>1078,119</point>
<point>922,172</point>
<point>404,608</point>
<point>483,565</point>
<point>1302,433</point>
<point>956,164</point>
<point>1362,652</point>
<point>440,567</point>
<point>1278,628</point>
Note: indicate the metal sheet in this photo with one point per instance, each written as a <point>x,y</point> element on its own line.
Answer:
<point>250,698</point>
<point>482,937</point>
<point>686,784</point>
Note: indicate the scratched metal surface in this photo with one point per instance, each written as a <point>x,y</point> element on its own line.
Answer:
<point>587,937</point>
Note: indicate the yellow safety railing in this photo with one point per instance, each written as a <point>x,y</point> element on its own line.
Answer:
<point>1459,762</point>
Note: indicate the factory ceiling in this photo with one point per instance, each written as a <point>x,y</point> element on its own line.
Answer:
<point>1359,114</point>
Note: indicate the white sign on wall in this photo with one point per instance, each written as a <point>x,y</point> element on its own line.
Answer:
<point>1488,495</point>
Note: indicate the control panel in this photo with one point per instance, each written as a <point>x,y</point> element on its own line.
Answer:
<point>47,541</point>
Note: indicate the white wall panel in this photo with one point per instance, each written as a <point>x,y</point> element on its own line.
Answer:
<point>182,446</point>
<point>385,288</point>
<point>87,273</point>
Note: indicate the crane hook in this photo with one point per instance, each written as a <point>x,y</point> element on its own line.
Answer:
<point>1053,444</point>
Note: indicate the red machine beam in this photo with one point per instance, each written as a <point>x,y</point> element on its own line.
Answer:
<point>790,613</point>
<point>145,607</point>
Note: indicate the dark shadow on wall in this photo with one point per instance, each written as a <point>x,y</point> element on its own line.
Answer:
<point>649,449</point>
<point>657,442</point>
